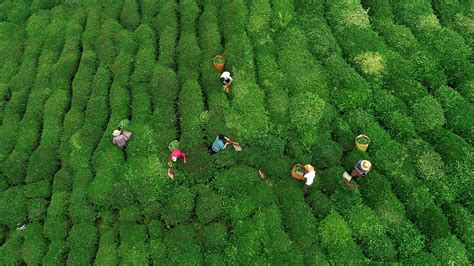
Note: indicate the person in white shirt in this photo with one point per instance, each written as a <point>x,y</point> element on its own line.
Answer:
<point>308,177</point>
<point>226,80</point>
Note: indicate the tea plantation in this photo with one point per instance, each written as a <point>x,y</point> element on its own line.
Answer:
<point>309,76</point>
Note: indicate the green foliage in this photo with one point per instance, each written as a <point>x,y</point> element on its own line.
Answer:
<point>336,239</point>
<point>449,250</point>
<point>247,112</point>
<point>296,215</point>
<point>130,17</point>
<point>34,245</point>
<point>10,251</point>
<point>458,112</point>
<point>82,241</point>
<point>305,115</point>
<point>56,225</point>
<point>462,222</point>
<point>181,245</point>
<point>56,253</point>
<point>409,240</point>
<point>320,204</point>
<point>309,76</point>
<point>179,207</point>
<point>422,258</point>
<point>107,251</point>
<point>13,207</point>
<point>167,23</point>
<point>214,237</point>
<point>133,248</point>
<point>427,114</point>
<point>326,153</point>
<point>242,192</point>
<point>209,205</point>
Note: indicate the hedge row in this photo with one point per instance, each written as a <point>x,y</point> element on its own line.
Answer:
<point>182,247</point>
<point>133,247</point>
<point>458,157</point>
<point>130,15</point>
<point>148,10</point>
<point>269,74</point>
<point>380,65</point>
<point>107,253</point>
<point>336,240</point>
<point>144,174</point>
<point>246,113</point>
<point>242,192</point>
<point>455,16</point>
<point>166,23</point>
<point>399,170</point>
<point>450,50</point>
<point>190,105</point>
<point>81,89</point>
<point>56,106</point>
<point>454,105</point>
<point>21,83</point>
<point>378,195</point>
<point>11,47</point>
<point>107,188</point>
<point>297,216</point>
<point>462,222</point>
<point>367,228</point>
<point>56,75</point>
<point>210,43</point>
<point>400,38</point>
<point>348,90</point>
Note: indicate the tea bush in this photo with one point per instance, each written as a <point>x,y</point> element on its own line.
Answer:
<point>449,250</point>
<point>82,241</point>
<point>130,16</point>
<point>427,114</point>
<point>454,105</point>
<point>421,19</point>
<point>181,245</point>
<point>462,223</point>
<point>13,210</point>
<point>214,237</point>
<point>34,245</point>
<point>296,216</point>
<point>107,250</point>
<point>179,207</point>
<point>336,239</point>
<point>209,205</point>
<point>10,253</point>
<point>309,76</point>
<point>133,247</point>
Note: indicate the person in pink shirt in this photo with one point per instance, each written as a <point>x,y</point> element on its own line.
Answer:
<point>120,138</point>
<point>175,155</point>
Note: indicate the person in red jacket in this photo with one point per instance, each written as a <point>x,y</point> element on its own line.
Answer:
<point>175,155</point>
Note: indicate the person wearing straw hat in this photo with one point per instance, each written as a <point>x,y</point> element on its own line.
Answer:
<point>361,168</point>
<point>175,155</point>
<point>308,177</point>
<point>120,138</point>
<point>226,80</point>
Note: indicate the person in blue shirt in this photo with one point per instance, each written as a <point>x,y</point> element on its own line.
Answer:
<point>361,168</point>
<point>220,143</point>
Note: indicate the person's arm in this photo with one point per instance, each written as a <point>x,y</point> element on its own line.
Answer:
<point>184,156</point>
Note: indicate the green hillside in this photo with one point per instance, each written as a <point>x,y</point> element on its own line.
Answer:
<point>309,76</point>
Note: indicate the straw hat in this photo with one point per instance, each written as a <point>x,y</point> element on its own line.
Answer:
<point>309,168</point>
<point>366,165</point>
<point>116,133</point>
<point>174,158</point>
